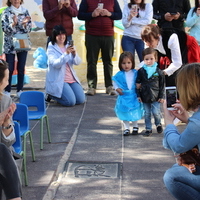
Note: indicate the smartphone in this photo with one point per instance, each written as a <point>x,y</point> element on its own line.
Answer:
<point>173,13</point>
<point>171,96</point>
<point>71,43</point>
<point>134,7</point>
<point>100,5</point>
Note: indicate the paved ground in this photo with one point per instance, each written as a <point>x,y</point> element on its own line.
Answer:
<point>89,158</point>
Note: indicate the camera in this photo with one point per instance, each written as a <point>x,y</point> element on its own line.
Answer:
<point>71,43</point>
<point>134,7</point>
<point>171,96</point>
<point>100,5</point>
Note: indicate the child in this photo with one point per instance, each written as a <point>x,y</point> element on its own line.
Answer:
<point>127,107</point>
<point>150,83</point>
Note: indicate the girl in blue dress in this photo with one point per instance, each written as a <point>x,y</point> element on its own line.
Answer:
<point>127,108</point>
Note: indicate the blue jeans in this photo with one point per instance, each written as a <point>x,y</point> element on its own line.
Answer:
<point>72,94</point>
<point>132,44</point>
<point>182,184</point>
<point>153,108</point>
<point>10,59</point>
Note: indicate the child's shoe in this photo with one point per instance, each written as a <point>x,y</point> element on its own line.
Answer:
<point>126,132</point>
<point>159,128</point>
<point>135,131</point>
<point>147,133</point>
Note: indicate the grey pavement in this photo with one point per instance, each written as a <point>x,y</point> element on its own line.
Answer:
<point>89,159</point>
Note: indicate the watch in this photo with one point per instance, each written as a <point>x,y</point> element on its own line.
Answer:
<point>7,127</point>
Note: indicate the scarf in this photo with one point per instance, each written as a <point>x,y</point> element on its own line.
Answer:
<point>17,11</point>
<point>150,69</point>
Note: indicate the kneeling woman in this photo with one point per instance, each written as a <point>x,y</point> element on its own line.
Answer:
<point>62,84</point>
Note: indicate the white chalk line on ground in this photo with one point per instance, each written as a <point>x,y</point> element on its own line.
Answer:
<point>53,187</point>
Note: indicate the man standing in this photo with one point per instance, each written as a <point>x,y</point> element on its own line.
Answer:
<point>99,16</point>
<point>59,12</point>
<point>171,13</point>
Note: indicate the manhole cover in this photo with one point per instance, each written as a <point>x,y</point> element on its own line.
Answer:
<point>93,169</point>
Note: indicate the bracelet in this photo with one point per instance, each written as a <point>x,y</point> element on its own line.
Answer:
<point>7,127</point>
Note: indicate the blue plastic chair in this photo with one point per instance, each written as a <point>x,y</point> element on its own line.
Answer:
<point>18,148</point>
<point>35,101</point>
<point>21,116</point>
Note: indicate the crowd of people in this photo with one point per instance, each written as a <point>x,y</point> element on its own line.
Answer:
<point>161,48</point>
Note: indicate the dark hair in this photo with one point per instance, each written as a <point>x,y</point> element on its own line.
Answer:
<point>150,31</point>
<point>150,50</point>
<point>197,5</point>
<point>57,30</point>
<point>126,54</point>
<point>3,67</point>
<point>8,3</point>
<point>142,4</point>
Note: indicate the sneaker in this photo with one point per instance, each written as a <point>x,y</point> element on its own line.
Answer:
<point>7,93</point>
<point>47,98</point>
<point>19,93</point>
<point>159,128</point>
<point>147,133</point>
<point>91,91</point>
<point>135,131</point>
<point>110,91</point>
<point>126,132</point>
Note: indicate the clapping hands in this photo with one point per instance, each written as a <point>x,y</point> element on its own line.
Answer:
<point>6,115</point>
<point>101,12</point>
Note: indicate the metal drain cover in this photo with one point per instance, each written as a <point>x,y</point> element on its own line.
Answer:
<point>92,169</point>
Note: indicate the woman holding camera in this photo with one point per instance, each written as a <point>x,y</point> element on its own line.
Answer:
<point>136,15</point>
<point>62,83</point>
<point>183,184</point>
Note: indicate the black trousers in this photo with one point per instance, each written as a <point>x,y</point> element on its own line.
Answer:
<point>93,46</point>
<point>9,177</point>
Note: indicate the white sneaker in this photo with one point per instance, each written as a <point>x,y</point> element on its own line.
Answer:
<point>7,93</point>
<point>19,93</point>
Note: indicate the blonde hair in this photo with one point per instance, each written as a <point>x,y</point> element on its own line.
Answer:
<point>188,86</point>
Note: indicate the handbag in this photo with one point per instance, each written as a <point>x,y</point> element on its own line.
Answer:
<point>21,42</point>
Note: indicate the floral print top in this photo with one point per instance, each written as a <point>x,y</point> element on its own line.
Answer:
<point>9,31</point>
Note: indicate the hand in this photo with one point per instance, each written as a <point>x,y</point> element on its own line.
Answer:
<point>119,90</point>
<point>15,20</point>
<point>96,12</point>
<point>60,5</point>
<point>168,17</point>
<point>180,112</point>
<point>9,114</point>
<point>138,85</point>
<point>139,99</point>
<point>2,116</point>
<point>26,20</point>
<point>67,3</point>
<point>177,16</point>
<point>105,12</point>
<point>161,100</point>
<point>70,49</point>
<point>168,115</point>
<point>132,14</point>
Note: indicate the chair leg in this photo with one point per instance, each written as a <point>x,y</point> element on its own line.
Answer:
<point>24,161</point>
<point>41,133</point>
<point>48,129</point>
<point>32,147</point>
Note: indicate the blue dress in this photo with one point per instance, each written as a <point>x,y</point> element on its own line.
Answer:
<point>127,106</point>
